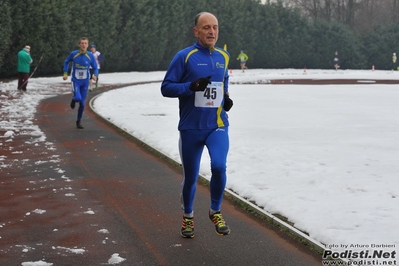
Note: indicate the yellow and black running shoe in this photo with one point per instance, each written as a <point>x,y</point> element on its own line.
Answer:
<point>187,227</point>
<point>220,225</point>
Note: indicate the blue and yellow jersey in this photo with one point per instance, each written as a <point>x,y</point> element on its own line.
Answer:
<point>198,110</point>
<point>81,63</point>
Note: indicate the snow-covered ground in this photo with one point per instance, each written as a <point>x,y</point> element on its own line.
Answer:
<point>324,156</point>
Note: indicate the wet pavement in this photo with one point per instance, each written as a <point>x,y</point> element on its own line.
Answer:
<point>83,197</point>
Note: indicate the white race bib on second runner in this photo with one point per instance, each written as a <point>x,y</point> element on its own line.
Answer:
<point>81,74</point>
<point>211,97</point>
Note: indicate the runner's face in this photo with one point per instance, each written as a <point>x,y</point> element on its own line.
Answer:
<point>83,44</point>
<point>207,30</point>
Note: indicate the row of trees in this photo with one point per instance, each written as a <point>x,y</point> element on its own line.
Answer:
<point>143,35</point>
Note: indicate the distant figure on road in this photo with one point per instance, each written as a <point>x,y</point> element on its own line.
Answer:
<point>243,57</point>
<point>336,60</point>
<point>99,59</point>
<point>394,61</point>
<point>81,60</point>
<point>24,62</point>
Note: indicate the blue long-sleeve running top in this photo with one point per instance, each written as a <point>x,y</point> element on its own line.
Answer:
<point>203,109</point>
<point>81,63</point>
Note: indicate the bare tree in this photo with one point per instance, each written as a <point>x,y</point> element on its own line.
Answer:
<point>373,13</point>
<point>361,15</point>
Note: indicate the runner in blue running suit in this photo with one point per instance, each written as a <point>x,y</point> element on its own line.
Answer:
<point>80,74</point>
<point>198,77</point>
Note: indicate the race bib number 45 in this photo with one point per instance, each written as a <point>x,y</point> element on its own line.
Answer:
<point>211,97</point>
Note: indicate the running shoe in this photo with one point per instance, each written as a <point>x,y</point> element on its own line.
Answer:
<point>79,125</point>
<point>187,227</point>
<point>72,104</point>
<point>220,225</point>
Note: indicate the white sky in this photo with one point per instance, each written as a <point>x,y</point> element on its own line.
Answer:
<point>324,156</point>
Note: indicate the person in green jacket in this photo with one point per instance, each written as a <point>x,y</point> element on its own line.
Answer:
<point>243,60</point>
<point>24,62</point>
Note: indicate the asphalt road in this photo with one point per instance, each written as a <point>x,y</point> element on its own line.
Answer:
<point>86,195</point>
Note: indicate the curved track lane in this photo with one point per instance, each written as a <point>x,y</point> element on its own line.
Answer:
<point>107,194</point>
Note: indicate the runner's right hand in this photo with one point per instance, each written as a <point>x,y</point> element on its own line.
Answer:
<point>200,84</point>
